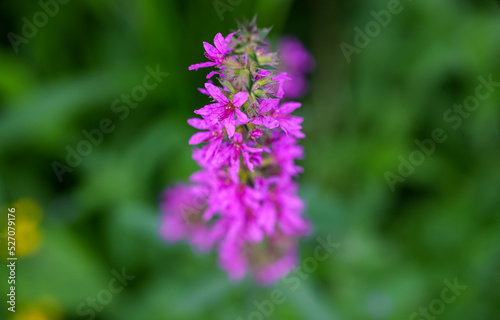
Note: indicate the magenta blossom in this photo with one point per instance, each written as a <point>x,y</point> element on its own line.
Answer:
<point>288,123</point>
<point>217,54</point>
<point>281,78</point>
<point>272,116</point>
<point>268,264</point>
<point>214,138</point>
<point>224,110</point>
<point>263,119</point>
<point>231,155</point>
<point>183,208</point>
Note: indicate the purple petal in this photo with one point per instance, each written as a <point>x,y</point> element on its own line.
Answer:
<point>281,77</point>
<point>209,109</point>
<point>254,233</point>
<point>234,168</point>
<point>229,125</point>
<point>211,74</point>
<point>204,91</point>
<point>220,157</point>
<point>267,105</point>
<point>242,117</point>
<point>270,122</point>
<point>292,126</point>
<point>238,137</point>
<point>267,121</point>
<point>289,107</point>
<point>202,65</point>
<point>240,98</point>
<point>213,148</point>
<point>220,43</point>
<point>246,160</point>
<point>215,116</point>
<point>216,93</point>
<point>200,137</point>
<point>198,123</point>
<point>284,126</point>
<point>229,37</point>
<point>252,150</point>
<point>264,73</point>
<point>256,133</point>
<point>257,121</point>
<point>268,217</point>
<point>211,50</point>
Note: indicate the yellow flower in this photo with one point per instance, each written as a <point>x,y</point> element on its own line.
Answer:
<point>45,308</point>
<point>34,314</point>
<point>27,233</point>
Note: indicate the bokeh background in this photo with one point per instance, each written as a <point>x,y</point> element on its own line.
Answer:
<point>397,247</point>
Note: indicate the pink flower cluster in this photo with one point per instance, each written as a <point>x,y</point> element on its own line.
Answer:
<point>243,201</point>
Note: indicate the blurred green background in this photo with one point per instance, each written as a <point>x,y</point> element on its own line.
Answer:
<point>397,247</point>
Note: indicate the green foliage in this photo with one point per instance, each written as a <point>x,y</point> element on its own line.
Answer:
<point>397,247</point>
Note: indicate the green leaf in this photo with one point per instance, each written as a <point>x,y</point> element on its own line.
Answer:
<point>264,32</point>
<point>263,82</point>
<point>267,67</point>
<point>253,56</point>
<point>259,93</point>
<point>228,85</point>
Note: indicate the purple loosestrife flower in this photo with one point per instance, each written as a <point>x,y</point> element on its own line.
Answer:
<point>217,54</point>
<point>231,155</point>
<point>272,117</point>
<point>288,123</point>
<point>263,119</point>
<point>244,200</point>
<point>183,207</point>
<point>224,110</point>
<point>268,260</point>
<point>214,138</point>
